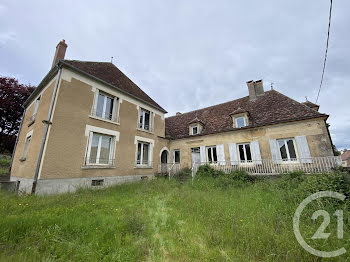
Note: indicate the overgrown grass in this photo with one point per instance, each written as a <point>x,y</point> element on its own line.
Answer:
<point>4,164</point>
<point>220,218</point>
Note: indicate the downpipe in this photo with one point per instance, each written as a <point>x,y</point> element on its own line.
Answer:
<point>47,123</point>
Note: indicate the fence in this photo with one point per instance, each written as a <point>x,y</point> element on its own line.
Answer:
<point>276,166</point>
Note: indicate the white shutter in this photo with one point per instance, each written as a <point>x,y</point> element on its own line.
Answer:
<point>203,155</point>
<point>233,153</point>
<point>256,152</point>
<point>220,150</point>
<point>275,152</point>
<point>303,149</point>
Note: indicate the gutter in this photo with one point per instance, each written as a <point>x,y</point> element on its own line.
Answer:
<point>47,124</point>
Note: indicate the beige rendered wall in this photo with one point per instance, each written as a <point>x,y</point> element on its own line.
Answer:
<point>315,131</point>
<point>67,142</point>
<point>26,169</point>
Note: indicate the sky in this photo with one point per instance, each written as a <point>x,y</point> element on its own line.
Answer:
<point>191,54</point>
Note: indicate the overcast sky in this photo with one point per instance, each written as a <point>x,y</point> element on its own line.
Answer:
<point>191,54</point>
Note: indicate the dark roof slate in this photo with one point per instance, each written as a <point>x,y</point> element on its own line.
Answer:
<point>270,108</point>
<point>110,74</point>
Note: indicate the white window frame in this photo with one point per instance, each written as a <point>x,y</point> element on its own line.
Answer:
<point>36,106</point>
<point>245,153</point>
<point>192,128</point>
<point>244,120</point>
<point>115,107</point>
<point>141,126</point>
<point>177,150</point>
<point>28,138</point>
<point>294,160</point>
<point>111,150</point>
<point>212,154</point>
<point>141,155</point>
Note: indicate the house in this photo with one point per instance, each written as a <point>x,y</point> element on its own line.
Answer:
<point>345,158</point>
<point>88,124</point>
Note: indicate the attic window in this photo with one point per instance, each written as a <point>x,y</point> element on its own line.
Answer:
<point>194,130</point>
<point>240,122</point>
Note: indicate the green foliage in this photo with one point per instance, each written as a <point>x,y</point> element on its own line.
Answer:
<point>241,219</point>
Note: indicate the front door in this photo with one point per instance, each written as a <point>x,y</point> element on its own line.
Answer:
<point>196,156</point>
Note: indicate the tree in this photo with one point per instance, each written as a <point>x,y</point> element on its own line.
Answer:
<point>336,151</point>
<point>12,97</point>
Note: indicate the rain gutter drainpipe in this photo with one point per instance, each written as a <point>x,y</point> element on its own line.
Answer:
<point>47,123</point>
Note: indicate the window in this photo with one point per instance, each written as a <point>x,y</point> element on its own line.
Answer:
<point>211,154</point>
<point>37,101</point>
<point>97,182</point>
<point>287,149</point>
<point>176,156</point>
<point>194,130</point>
<point>26,146</point>
<point>145,119</point>
<point>105,106</point>
<point>245,155</point>
<point>240,122</point>
<point>100,151</point>
<point>143,154</point>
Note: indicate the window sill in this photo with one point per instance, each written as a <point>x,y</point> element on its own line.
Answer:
<point>145,130</point>
<point>98,167</point>
<point>104,120</point>
<point>143,167</point>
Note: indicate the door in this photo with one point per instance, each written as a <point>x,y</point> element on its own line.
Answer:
<point>196,157</point>
<point>164,161</point>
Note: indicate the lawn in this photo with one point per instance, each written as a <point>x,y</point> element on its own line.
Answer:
<point>4,164</point>
<point>160,220</point>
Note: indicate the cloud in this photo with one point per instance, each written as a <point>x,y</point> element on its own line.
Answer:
<point>191,54</point>
<point>6,37</point>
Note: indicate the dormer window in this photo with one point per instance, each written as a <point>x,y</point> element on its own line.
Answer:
<point>240,122</point>
<point>194,130</point>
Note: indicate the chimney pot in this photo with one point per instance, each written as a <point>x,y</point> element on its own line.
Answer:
<point>60,52</point>
<point>255,89</point>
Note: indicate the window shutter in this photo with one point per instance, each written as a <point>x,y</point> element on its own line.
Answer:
<point>233,153</point>
<point>303,149</point>
<point>256,152</point>
<point>220,149</point>
<point>275,152</point>
<point>203,156</point>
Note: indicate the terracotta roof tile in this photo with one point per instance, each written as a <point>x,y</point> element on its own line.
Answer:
<point>270,108</point>
<point>109,73</point>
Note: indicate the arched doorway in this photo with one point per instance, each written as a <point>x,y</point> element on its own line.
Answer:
<point>164,157</point>
<point>164,160</point>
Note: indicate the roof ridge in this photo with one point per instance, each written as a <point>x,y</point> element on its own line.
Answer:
<point>84,61</point>
<point>213,105</point>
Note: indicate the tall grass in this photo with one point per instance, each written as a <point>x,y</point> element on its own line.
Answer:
<point>217,218</point>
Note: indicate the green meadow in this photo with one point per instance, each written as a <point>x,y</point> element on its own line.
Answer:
<point>218,217</point>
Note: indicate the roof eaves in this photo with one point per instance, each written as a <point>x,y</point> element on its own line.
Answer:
<point>106,83</point>
<point>42,84</point>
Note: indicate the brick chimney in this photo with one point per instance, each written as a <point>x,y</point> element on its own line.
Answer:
<point>60,52</point>
<point>255,89</point>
